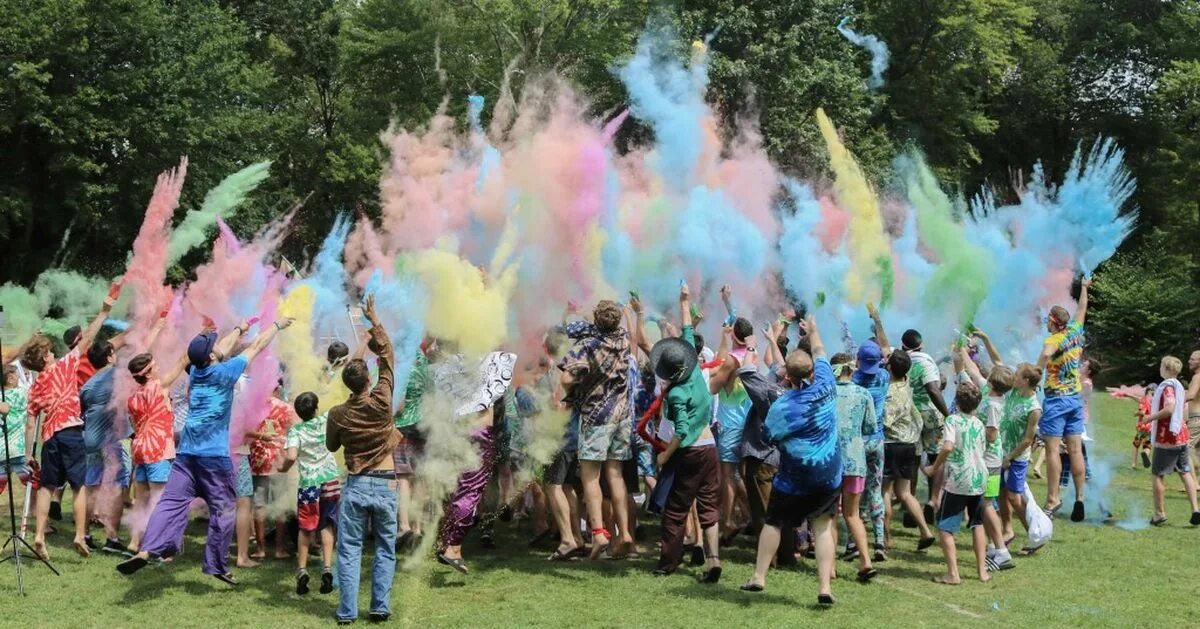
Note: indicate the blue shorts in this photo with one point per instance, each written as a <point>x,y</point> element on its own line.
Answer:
<point>645,460</point>
<point>115,460</point>
<point>729,443</point>
<point>1014,477</point>
<point>244,480</point>
<point>1062,416</point>
<point>152,472</point>
<point>64,459</point>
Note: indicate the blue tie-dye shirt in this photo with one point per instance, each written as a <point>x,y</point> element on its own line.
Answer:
<point>803,422</point>
<point>877,386</point>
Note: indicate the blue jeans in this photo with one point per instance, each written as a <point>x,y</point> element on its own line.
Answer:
<point>366,499</point>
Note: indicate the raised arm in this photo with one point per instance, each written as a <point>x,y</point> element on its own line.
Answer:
<point>724,375</point>
<point>225,344</point>
<point>89,334</point>
<point>264,339</point>
<point>1081,316</point>
<point>169,378</point>
<point>382,346</point>
<point>993,353</point>
<point>880,334</point>
<point>814,337</point>
<point>639,324</point>
<point>962,357</point>
<point>685,305</point>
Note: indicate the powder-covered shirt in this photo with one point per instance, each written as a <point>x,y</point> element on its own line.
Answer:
<point>210,407</point>
<point>992,410</point>
<point>101,426</point>
<point>856,420</point>
<point>804,424</point>
<point>14,422</point>
<point>264,455</point>
<point>901,420</point>
<point>966,471</point>
<point>924,371</point>
<point>153,420</point>
<point>688,405</point>
<point>414,391</point>
<point>314,461</point>
<point>55,392</point>
<point>732,407</point>
<point>1163,437</point>
<point>1062,369</point>
<point>877,385</point>
<point>1014,420</point>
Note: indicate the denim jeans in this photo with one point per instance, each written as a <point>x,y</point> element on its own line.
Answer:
<point>366,499</point>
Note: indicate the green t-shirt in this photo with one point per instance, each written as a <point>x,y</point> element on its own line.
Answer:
<point>689,404</point>
<point>1015,419</point>
<point>991,409</point>
<point>14,424</point>
<point>966,471</point>
<point>315,461</point>
<point>418,378</point>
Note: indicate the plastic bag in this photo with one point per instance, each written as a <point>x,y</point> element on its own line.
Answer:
<point>1041,527</point>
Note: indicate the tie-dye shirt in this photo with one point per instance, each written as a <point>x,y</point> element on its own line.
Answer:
<point>14,422</point>
<point>966,471</point>
<point>804,424</point>
<point>55,392</point>
<point>1015,420</point>
<point>264,455</point>
<point>152,417</point>
<point>1062,370</point>
<point>856,420</point>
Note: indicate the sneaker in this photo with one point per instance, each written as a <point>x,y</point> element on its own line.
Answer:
<point>1145,459</point>
<point>851,552</point>
<point>1077,513</point>
<point>326,582</point>
<point>825,600</point>
<point>344,621</point>
<point>56,511</point>
<point>302,582</point>
<point>378,616</point>
<point>91,543</point>
<point>1195,521</point>
<point>880,555</point>
<point>506,513</point>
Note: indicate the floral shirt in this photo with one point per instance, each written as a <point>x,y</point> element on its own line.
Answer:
<point>901,420</point>
<point>856,420</point>
<point>153,421</point>
<point>1014,420</point>
<point>14,422</point>
<point>314,461</point>
<point>265,454</point>
<point>599,363</point>
<point>966,471</point>
<point>55,392</point>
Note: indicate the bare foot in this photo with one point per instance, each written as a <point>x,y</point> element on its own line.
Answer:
<point>247,563</point>
<point>282,554</point>
<point>985,577</point>
<point>946,579</point>
<point>258,554</point>
<point>81,548</point>
<point>39,549</point>
<point>598,547</point>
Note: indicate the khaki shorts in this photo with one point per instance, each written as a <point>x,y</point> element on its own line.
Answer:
<point>1193,424</point>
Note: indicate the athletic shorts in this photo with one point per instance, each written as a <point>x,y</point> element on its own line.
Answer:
<point>563,470</point>
<point>153,472</point>
<point>317,507</point>
<point>1014,477</point>
<point>950,512</point>
<point>1062,416</point>
<point>854,485</point>
<point>243,479</point>
<point>268,488</point>
<point>606,442</point>
<point>110,466</point>
<point>787,511</point>
<point>646,460</point>
<point>1168,460</point>
<point>729,442</point>
<point>993,485</point>
<point>899,461</point>
<point>64,459</point>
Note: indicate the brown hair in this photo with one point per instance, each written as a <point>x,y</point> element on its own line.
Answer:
<point>1028,373</point>
<point>607,316</point>
<point>1000,380</point>
<point>34,358</point>
<point>799,366</point>
<point>967,397</point>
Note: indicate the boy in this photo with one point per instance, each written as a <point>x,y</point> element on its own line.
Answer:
<point>1170,439</point>
<point>1141,435</point>
<point>13,410</point>
<point>962,456</point>
<point>901,433</point>
<point>1018,429</point>
<point>319,489</point>
<point>266,443</point>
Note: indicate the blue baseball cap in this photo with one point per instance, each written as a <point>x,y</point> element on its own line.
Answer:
<point>870,357</point>
<point>201,348</point>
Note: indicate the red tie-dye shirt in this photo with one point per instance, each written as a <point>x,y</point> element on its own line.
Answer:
<point>55,392</point>
<point>153,422</point>
<point>265,454</point>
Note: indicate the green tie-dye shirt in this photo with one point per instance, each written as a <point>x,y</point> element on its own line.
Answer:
<point>966,471</point>
<point>14,425</point>
<point>1014,421</point>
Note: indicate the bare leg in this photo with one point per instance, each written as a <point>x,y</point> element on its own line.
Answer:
<point>328,544</point>
<point>991,524</point>
<point>45,496</point>
<point>822,530</point>
<point>620,502</point>
<point>79,506</point>
<point>304,540</point>
<point>858,531</point>
<point>404,483</point>
<point>979,539</point>
<point>913,507</point>
<point>281,539</point>
<point>768,544</point>
<point>951,554</point>
<point>244,524</point>
<point>260,534</point>
<point>1078,464</point>
<point>887,513</point>
<point>1053,471</point>
<point>589,472</point>
<point>1189,485</point>
<point>561,510</point>
<point>1160,509</point>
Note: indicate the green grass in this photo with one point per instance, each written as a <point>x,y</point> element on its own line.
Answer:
<point>1098,575</point>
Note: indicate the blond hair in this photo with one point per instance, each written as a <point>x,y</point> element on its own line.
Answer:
<point>1172,365</point>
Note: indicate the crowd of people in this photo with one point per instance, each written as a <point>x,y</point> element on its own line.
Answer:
<point>771,436</point>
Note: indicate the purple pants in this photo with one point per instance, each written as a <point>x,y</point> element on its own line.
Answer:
<point>209,478</point>
<point>464,502</point>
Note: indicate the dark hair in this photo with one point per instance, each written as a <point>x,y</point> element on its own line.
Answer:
<point>337,351</point>
<point>9,370</point>
<point>137,364</point>
<point>967,397</point>
<point>71,336</point>
<point>699,343</point>
<point>805,344</point>
<point>742,329</point>
<point>911,340</point>
<point>306,405</point>
<point>99,353</point>
<point>899,363</point>
<point>34,358</point>
<point>356,377</point>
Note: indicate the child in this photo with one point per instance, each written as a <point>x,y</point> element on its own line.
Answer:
<point>1170,440</point>
<point>265,445</point>
<point>962,455</point>
<point>1018,429</point>
<point>855,420</point>
<point>16,399</point>
<point>319,489</point>
<point>901,432</point>
<point>1141,435</point>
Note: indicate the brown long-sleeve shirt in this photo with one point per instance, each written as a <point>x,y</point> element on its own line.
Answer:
<point>363,425</point>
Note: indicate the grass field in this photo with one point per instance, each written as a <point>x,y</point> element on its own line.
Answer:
<point>1091,574</point>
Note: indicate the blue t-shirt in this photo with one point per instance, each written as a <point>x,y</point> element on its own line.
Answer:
<point>877,386</point>
<point>99,418</point>
<point>210,406</point>
<point>803,422</point>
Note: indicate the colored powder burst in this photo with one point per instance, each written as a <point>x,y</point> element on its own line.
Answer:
<point>873,45</point>
<point>220,202</point>
<point>464,306</point>
<point>22,314</point>
<point>961,281</point>
<point>294,344</point>
<point>147,268</point>
<point>807,269</point>
<point>866,239</point>
<point>330,283</point>
<point>75,297</point>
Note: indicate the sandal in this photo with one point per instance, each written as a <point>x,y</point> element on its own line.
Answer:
<point>1158,520</point>
<point>457,564</point>
<point>561,556</point>
<point>1050,511</point>
<point>598,549</point>
<point>865,576</point>
<point>752,587</point>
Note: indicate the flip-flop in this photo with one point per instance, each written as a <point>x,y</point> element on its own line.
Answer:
<point>926,542</point>
<point>1050,511</point>
<point>457,564</point>
<point>579,552</point>
<point>132,565</point>
<point>865,576</point>
<point>1157,521</point>
<point>403,540</point>
<point>561,556</point>
<point>752,587</point>
<point>1009,540</point>
<point>226,578</point>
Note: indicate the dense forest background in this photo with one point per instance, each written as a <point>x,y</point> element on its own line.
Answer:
<point>98,96</point>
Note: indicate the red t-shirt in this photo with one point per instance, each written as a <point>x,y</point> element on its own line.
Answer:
<point>153,422</point>
<point>55,392</point>
<point>84,371</point>
<point>264,454</point>
<point>1162,431</point>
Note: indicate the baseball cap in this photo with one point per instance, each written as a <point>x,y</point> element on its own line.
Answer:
<point>870,357</point>
<point>201,348</point>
